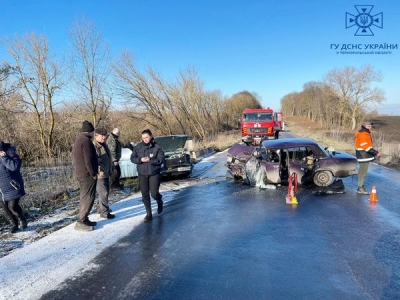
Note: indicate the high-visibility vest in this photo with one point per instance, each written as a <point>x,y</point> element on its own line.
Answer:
<point>363,140</point>
<point>363,144</point>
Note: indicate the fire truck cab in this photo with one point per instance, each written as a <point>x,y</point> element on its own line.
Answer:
<point>260,124</point>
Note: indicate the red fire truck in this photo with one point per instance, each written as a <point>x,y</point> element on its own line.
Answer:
<point>260,124</point>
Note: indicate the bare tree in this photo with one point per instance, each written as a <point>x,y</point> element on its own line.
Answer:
<point>145,93</point>
<point>310,91</point>
<point>182,106</point>
<point>212,108</point>
<point>353,88</point>
<point>90,67</point>
<point>197,107</point>
<point>234,106</point>
<point>7,87</point>
<point>39,76</point>
<point>289,104</point>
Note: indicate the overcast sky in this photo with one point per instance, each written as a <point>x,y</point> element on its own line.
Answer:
<point>263,46</point>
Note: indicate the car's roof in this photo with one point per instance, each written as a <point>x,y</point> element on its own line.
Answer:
<point>289,143</point>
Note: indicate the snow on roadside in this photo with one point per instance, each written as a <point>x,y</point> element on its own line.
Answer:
<point>28,272</point>
<point>35,268</point>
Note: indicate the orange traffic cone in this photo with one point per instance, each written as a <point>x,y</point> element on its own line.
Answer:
<point>373,197</point>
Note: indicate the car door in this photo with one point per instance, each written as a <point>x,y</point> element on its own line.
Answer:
<point>270,163</point>
<point>296,162</point>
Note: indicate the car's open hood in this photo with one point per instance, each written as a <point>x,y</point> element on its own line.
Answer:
<point>172,143</point>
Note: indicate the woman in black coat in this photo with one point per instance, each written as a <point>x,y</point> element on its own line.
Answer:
<point>11,186</point>
<point>149,156</point>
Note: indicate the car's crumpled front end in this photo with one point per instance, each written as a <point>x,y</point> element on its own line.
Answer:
<point>236,159</point>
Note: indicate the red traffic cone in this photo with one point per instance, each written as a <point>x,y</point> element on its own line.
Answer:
<point>373,196</point>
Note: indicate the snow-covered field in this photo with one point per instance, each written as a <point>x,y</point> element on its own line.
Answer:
<point>40,264</point>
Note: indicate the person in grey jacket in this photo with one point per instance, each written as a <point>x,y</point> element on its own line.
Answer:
<point>11,186</point>
<point>149,156</point>
<point>115,147</point>
<point>104,171</point>
<point>85,170</point>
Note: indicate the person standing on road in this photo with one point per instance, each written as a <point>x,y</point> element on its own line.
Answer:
<point>11,186</point>
<point>149,156</point>
<point>364,153</point>
<point>104,171</point>
<point>115,147</point>
<point>85,170</point>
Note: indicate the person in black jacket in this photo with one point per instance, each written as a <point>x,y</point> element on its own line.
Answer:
<point>11,186</point>
<point>149,156</point>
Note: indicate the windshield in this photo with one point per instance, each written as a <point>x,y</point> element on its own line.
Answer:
<point>257,117</point>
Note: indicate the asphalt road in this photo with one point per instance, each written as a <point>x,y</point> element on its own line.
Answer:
<point>226,240</point>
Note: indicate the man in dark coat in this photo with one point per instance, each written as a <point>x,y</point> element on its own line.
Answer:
<point>149,156</point>
<point>85,170</point>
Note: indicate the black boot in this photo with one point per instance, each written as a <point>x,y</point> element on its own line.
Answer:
<point>149,215</point>
<point>22,220</point>
<point>160,207</point>
<point>148,218</point>
<point>14,223</point>
<point>14,228</point>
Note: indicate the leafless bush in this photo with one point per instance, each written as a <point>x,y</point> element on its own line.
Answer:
<point>49,187</point>
<point>337,134</point>
<point>380,138</point>
<point>219,141</point>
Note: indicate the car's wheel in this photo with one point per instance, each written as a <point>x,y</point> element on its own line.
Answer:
<point>323,178</point>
